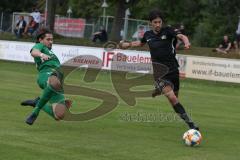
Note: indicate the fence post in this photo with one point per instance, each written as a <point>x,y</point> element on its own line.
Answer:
<point>125,29</point>
<point>1,21</point>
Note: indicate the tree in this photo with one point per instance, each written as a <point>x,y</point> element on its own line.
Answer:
<point>51,8</point>
<point>118,22</point>
<point>185,12</point>
<point>219,17</point>
<point>15,6</point>
<point>89,9</point>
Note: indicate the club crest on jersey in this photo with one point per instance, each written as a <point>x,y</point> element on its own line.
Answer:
<point>164,37</point>
<point>148,40</point>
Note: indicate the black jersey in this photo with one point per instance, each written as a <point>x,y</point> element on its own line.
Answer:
<point>225,44</point>
<point>162,47</point>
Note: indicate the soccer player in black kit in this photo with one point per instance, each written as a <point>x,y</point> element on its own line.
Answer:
<point>162,49</point>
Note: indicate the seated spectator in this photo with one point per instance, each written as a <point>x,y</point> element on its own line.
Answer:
<point>31,27</point>
<point>224,46</point>
<point>101,35</point>
<point>20,27</point>
<point>36,16</point>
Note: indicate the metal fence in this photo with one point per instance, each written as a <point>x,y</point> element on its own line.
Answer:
<point>8,22</point>
<point>134,26</point>
<point>5,22</point>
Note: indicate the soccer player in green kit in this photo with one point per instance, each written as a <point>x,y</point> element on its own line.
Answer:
<point>50,79</point>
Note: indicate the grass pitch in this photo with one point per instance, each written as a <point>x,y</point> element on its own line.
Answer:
<point>148,131</point>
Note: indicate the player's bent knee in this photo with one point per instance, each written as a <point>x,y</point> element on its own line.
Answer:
<point>168,92</point>
<point>173,100</point>
<point>55,83</point>
<point>59,111</point>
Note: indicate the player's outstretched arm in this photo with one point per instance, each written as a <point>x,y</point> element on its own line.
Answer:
<point>185,40</point>
<point>124,44</point>
<point>37,53</point>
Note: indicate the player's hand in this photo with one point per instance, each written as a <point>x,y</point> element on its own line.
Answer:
<point>124,45</point>
<point>187,46</point>
<point>44,57</point>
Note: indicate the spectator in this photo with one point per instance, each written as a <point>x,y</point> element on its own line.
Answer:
<point>36,16</point>
<point>20,27</point>
<point>31,27</point>
<point>237,39</point>
<point>224,46</point>
<point>101,35</point>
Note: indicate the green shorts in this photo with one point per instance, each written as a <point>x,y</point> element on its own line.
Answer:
<point>56,97</point>
<point>45,74</point>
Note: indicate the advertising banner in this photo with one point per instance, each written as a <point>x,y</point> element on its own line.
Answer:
<point>70,27</point>
<point>217,69</point>
<point>208,68</point>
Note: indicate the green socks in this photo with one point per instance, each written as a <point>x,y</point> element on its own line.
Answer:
<point>49,110</point>
<point>46,95</point>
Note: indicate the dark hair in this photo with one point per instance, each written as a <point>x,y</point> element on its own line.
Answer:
<point>155,14</point>
<point>42,33</point>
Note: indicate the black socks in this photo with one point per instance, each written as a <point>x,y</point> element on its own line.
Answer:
<point>182,113</point>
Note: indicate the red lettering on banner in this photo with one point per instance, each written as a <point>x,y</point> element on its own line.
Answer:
<point>103,59</point>
<point>134,59</point>
<point>70,27</point>
<point>85,61</point>
<point>109,57</point>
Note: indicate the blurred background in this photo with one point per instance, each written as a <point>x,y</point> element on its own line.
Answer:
<point>204,21</point>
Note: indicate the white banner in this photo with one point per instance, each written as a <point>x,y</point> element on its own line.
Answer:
<point>217,69</point>
<point>15,51</point>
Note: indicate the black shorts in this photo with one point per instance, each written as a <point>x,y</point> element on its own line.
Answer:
<point>172,78</point>
<point>163,77</point>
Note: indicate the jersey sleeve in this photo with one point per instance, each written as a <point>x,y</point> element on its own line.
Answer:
<point>172,32</point>
<point>38,46</point>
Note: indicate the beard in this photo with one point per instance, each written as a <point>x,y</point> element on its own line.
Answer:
<point>157,29</point>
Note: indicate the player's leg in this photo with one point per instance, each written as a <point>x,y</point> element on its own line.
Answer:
<point>57,106</point>
<point>33,103</point>
<point>159,71</point>
<point>30,102</point>
<point>52,87</point>
<point>177,106</point>
<point>219,50</point>
<point>176,93</point>
<point>59,110</point>
<point>56,111</point>
<point>53,108</point>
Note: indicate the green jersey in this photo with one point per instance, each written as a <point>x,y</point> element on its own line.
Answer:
<point>52,62</point>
